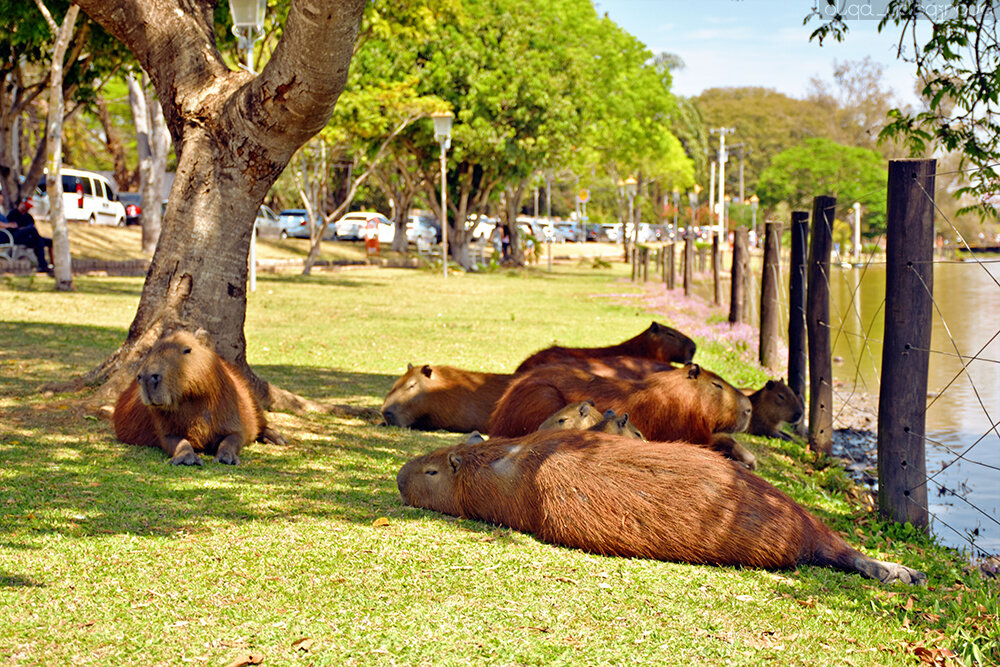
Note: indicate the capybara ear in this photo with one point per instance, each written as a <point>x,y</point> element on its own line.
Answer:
<point>426,370</point>
<point>770,384</point>
<point>455,461</point>
<point>693,371</point>
<point>474,438</point>
<point>204,337</point>
<point>409,367</point>
<point>585,408</point>
<point>590,402</point>
<point>623,420</point>
<point>609,414</point>
<point>654,327</point>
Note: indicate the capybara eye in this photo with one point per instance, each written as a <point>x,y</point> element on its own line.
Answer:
<point>780,398</point>
<point>717,385</point>
<point>431,472</point>
<point>187,350</point>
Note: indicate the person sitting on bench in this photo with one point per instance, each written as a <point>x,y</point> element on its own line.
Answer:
<point>21,226</point>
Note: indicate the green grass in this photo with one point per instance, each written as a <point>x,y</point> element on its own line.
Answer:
<point>305,554</point>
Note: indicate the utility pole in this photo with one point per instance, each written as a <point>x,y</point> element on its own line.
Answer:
<point>722,132</point>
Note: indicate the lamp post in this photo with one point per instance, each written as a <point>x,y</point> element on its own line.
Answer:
<point>442,132</point>
<point>677,207</point>
<point>754,203</point>
<point>631,187</point>
<point>248,18</point>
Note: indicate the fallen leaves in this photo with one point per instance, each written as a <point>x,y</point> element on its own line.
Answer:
<point>245,659</point>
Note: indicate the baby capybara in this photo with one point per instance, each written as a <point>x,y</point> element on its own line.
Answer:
<point>186,400</point>
<point>688,403</point>
<point>443,397</point>
<point>603,494</point>
<point>773,405</point>
<point>585,417</point>
<point>659,343</point>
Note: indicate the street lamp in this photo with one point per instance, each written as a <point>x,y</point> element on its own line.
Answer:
<point>248,17</point>
<point>754,203</point>
<point>442,132</point>
<point>693,200</point>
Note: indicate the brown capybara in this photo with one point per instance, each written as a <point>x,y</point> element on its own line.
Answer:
<point>663,500</point>
<point>580,415</point>
<point>186,400</point>
<point>687,403</point>
<point>619,367</point>
<point>773,405</point>
<point>617,425</point>
<point>443,397</point>
<point>658,342</point>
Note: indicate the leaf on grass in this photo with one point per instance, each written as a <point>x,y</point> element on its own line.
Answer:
<point>303,644</point>
<point>250,658</point>
<point>744,598</point>
<point>381,521</point>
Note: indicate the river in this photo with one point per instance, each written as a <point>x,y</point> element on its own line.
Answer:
<point>963,445</point>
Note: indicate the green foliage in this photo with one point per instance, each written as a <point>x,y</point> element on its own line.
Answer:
<point>819,166</point>
<point>960,72</point>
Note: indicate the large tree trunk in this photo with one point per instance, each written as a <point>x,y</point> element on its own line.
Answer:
<point>234,132</point>
<point>152,144</point>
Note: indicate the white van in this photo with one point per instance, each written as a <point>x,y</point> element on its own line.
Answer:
<point>88,197</point>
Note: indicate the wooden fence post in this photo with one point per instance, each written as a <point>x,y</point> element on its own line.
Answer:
<point>818,326</point>
<point>770,283</point>
<point>671,279</point>
<point>797,304</point>
<point>716,261</point>
<point>688,260</point>
<point>737,291</point>
<point>644,255</point>
<point>909,288</point>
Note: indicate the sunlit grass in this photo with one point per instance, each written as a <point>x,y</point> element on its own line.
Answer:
<point>305,553</point>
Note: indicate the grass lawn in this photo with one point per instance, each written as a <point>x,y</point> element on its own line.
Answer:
<point>304,554</point>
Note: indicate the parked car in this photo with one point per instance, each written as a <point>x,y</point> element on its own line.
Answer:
<point>267,223</point>
<point>87,197</point>
<point>422,226</point>
<point>133,207</point>
<point>293,223</point>
<point>352,226</point>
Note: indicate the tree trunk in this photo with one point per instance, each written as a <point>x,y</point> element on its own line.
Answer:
<point>234,132</point>
<point>62,267</point>
<point>124,177</point>
<point>152,144</point>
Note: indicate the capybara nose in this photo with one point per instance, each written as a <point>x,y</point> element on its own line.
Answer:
<point>389,415</point>
<point>153,380</point>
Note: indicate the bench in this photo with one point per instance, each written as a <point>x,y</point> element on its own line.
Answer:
<point>11,252</point>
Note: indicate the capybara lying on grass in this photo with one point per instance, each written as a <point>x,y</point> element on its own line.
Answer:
<point>619,367</point>
<point>658,342</point>
<point>773,405</point>
<point>185,400</point>
<point>585,417</point>
<point>603,494</point>
<point>688,403</point>
<point>442,397</point>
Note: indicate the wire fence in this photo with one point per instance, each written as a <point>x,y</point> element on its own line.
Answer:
<point>962,435</point>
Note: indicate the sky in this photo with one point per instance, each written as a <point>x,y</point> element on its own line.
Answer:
<point>756,43</point>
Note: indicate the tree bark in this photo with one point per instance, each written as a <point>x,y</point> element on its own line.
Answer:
<point>62,268</point>
<point>152,144</point>
<point>234,132</point>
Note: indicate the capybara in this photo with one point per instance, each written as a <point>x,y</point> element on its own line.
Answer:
<point>443,397</point>
<point>580,415</point>
<point>619,367</point>
<point>687,403</point>
<point>773,405</point>
<point>663,500</point>
<point>617,425</point>
<point>659,343</point>
<point>185,400</point>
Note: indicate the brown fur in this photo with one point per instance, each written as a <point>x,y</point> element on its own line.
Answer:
<point>580,415</point>
<point>619,367</point>
<point>658,342</point>
<point>185,400</point>
<point>617,425</point>
<point>773,405</point>
<point>599,493</point>
<point>689,403</point>
<point>443,397</point>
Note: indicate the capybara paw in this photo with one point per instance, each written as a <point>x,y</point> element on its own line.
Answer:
<point>187,458</point>
<point>227,458</point>
<point>896,572</point>
<point>272,437</point>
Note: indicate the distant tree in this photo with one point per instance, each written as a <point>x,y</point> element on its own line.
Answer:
<point>958,66</point>
<point>819,166</point>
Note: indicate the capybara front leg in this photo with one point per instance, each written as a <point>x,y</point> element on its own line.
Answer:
<point>272,437</point>
<point>180,451</point>
<point>727,446</point>
<point>229,450</point>
<point>888,572</point>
